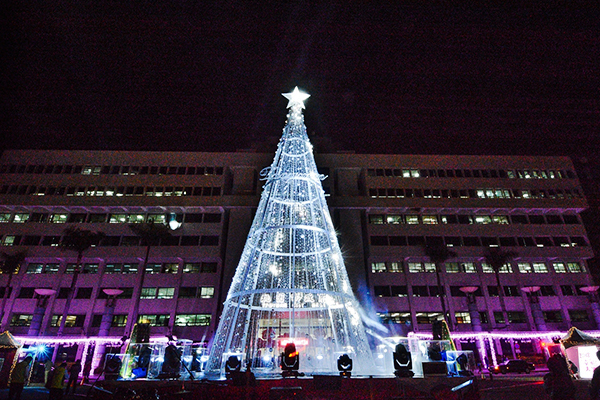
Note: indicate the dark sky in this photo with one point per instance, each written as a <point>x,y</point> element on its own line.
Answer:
<point>182,75</point>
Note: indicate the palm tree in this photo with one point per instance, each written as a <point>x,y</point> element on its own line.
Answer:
<point>438,254</point>
<point>77,240</point>
<point>151,234</point>
<point>10,266</point>
<point>497,257</point>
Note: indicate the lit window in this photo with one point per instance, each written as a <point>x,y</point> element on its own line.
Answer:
<point>406,173</point>
<point>415,267</point>
<point>575,268</point>
<point>165,293</point>
<point>58,218</point>
<point>373,219</point>
<point>118,219</point>
<point>506,269</point>
<point>20,218</point>
<point>487,268</point>
<point>525,268</point>
<point>452,268</point>
<point>500,219</point>
<point>378,267</point>
<point>154,319</point>
<point>136,218</point>
<point>468,267</point>
<point>21,320</point>
<point>395,267</point>
<point>4,217</point>
<point>191,268</point>
<point>481,193</point>
<point>148,293</point>
<point>34,269</point>
<point>72,321</point>
<point>540,268</point>
<point>462,317</point>
<point>430,219</point>
<point>192,320</point>
<point>170,268</point>
<point>153,268</point>
<point>119,320</point>
<point>559,267</point>
<point>207,292</point>
<point>429,267</point>
<point>394,219</point>
<point>412,219</point>
<point>483,219</point>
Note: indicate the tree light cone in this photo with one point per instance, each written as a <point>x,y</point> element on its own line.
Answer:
<point>291,283</point>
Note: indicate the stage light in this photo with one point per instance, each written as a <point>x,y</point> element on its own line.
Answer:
<point>344,364</point>
<point>290,360</point>
<point>232,365</point>
<point>402,362</point>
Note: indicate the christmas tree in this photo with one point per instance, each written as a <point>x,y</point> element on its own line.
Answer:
<point>291,284</point>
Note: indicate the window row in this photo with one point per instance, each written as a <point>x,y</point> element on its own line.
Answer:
<point>476,241</point>
<point>473,173</point>
<point>464,317</point>
<point>110,191</point>
<point>118,218</point>
<point>122,268</point>
<point>107,241</point>
<point>108,170</point>
<point>485,193</point>
<point>202,292</point>
<point>455,291</point>
<point>434,219</point>
<point>523,267</point>
<point>119,320</point>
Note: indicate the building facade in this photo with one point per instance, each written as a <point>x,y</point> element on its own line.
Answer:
<point>390,211</point>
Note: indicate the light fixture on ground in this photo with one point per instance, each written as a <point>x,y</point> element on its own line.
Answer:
<point>344,364</point>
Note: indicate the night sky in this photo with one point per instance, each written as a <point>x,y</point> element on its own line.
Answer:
<point>182,75</point>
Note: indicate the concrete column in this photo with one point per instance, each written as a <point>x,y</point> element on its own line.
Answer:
<point>538,316</point>
<point>595,312</point>
<point>474,312</point>
<point>36,320</point>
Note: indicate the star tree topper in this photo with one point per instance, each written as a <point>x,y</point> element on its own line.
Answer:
<point>296,97</point>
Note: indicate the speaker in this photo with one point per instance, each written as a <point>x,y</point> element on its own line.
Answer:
<point>435,368</point>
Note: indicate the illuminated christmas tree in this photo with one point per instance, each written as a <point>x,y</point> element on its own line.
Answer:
<point>291,284</point>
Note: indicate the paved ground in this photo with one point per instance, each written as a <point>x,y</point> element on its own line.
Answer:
<point>500,388</point>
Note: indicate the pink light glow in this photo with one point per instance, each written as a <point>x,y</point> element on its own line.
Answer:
<point>297,342</point>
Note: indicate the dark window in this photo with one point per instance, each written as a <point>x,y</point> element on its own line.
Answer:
<point>397,240</point>
<point>381,291</point>
<point>416,241</point>
<point>453,241</point>
<point>552,316</point>
<point>77,218</point>
<point>511,291</point>
<point>508,241</point>
<point>210,218</point>
<point>471,241</point>
<point>209,241</point>
<point>26,293</point>
<point>519,219</point>
<point>209,267</point>
<point>537,219</point>
<point>170,241</point>
<point>96,320</point>
<point>493,291</point>
<point>571,219</point>
<point>554,219</point>
<point>578,241</point>
<point>186,292</point>
<point>567,290</point>
<point>84,293</point>
<point>547,290</point>
<point>193,218</point>
<point>190,240</point>
<point>517,317</point>
<point>31,240</point>
<point>379,241</point>
<point>399,291</point>
<point>63,293</point>
<point>420,291</point>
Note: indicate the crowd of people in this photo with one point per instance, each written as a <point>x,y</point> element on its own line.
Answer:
<point>55,377</point>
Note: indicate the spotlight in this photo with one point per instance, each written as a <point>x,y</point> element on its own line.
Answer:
<point>233,366</point>
<point>402,362</point>
<point>344,364</point>
<point>290,360</point>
